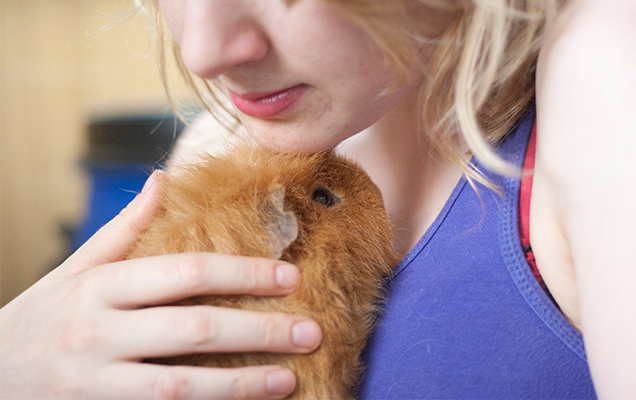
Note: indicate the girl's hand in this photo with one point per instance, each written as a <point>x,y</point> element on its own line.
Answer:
<point>81,331</point>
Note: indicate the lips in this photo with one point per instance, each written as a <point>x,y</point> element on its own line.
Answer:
<point>268,105</point>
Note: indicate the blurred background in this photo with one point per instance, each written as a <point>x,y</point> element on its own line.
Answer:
<point>71,93</point>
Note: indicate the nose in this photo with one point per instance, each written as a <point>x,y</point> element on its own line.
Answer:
<point>218,35</point>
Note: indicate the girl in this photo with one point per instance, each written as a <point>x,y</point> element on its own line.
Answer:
<point>439,101</point>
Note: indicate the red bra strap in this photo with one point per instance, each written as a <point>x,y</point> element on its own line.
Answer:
<point>525,193</point>
<point>526,189</point>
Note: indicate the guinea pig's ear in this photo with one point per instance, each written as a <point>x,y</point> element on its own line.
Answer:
<point>282,226</point>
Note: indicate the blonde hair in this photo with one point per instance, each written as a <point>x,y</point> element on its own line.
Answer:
<point>479,79</point>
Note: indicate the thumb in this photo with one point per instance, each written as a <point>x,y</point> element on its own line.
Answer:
<point>114,240</point>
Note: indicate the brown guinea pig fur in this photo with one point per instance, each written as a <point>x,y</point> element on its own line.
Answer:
<point>319,212</point>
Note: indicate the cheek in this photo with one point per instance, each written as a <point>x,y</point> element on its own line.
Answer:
<point>366,93</point>
<point>351,75</point>
<point>172,11</point>
<point>370,104</point>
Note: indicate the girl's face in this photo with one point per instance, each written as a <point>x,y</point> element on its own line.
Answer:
<point>303,77</point>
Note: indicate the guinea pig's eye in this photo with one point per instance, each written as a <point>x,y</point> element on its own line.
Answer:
<point>324,196</point>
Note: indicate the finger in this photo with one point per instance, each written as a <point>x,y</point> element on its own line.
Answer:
<point>171,331</point>
<point>165,279</point>
<point>113,241</point>
<point>148,381</point>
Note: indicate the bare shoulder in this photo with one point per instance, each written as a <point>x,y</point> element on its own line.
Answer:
<point>586,175</point>
<point>588,59</point>
<point>586,93</point>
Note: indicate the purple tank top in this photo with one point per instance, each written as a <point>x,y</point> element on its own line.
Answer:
<point>465,317</point>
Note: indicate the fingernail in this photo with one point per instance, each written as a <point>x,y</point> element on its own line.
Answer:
<point>287,276</point>
<point>150,181</point>
<point>306,334</point>
<point>280,382</point>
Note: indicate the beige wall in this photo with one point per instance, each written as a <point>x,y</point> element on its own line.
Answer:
<point>51,76</point>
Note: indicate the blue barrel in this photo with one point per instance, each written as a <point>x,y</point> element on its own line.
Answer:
<point>122,153</point>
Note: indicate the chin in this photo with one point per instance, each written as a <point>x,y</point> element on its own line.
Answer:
<point>295,142</point>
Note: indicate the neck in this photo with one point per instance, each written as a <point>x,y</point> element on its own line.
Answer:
<point>415,180</point>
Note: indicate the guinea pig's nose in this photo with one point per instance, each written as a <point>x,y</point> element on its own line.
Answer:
<point>324,196</point>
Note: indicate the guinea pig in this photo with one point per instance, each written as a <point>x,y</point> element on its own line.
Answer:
<point>319,212</point>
